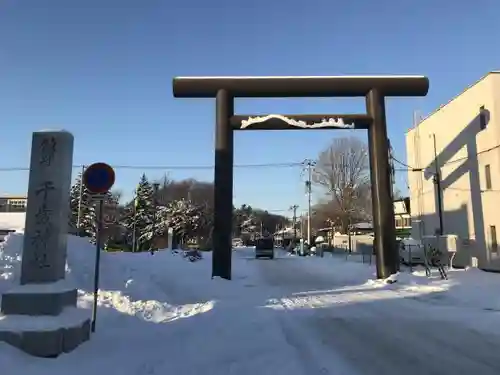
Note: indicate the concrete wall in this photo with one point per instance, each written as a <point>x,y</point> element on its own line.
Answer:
<point>463,151</point>
<point>359,243</point>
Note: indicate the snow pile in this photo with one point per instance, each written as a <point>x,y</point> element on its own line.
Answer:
<point>121,287</point>
<point>10,259</point>
<point>464,288</point>
<point>403,279</point>
<point>156,314</point>
<point>471,288</point>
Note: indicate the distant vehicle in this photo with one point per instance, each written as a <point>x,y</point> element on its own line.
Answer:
<point>264,248</point>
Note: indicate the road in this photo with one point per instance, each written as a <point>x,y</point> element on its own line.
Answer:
<point>380,336</point>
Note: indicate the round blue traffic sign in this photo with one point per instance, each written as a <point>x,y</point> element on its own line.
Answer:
<point>98,178</point>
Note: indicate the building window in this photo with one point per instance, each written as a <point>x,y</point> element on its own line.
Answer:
<point>493,239</point>
<point>16,205</point>
<point>487,176</point>
<point>482,117</point>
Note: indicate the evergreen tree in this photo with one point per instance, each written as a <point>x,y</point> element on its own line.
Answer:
<point>81,208</point>
<point>81,202</point>
<point>140,214</point>
<point>187,220</point>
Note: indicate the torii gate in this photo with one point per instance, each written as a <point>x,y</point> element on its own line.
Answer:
<point>374,88</point>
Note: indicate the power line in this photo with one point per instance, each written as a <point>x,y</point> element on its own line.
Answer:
<point>403,164</point>
<point>172,167</point>
<point>271,211</point>
<point>469,189</point>
<point>194,167</point>
<point>467,157</point>
<point>449,161</point>
<point>265,165</point>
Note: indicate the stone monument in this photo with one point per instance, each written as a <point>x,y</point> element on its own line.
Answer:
<point>39,316</point>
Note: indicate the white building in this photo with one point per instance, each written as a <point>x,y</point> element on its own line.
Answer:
<point>13,203</point>
<point>460,141</point>
<point>402,216</point>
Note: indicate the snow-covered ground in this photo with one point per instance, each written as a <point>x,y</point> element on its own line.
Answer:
<point>12,220</point>
<point>161,314</point>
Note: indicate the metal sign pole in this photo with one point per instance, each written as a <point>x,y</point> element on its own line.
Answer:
<point>98,178</point>
<point>97,262</point>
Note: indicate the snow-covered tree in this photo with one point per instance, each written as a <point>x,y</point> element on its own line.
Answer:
<point>244,220</point>
<point>187,220</point>
<point>249,225</point>
<point>83,210</point>
<point>140,214</point>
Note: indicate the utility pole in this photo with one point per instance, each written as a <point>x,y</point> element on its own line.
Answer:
<point>134,225</point>
<point>302,226</point>
<point>294,208</point>
<point>276,234</point>
<point>309,164</point>
<point>437,181</point>
<point>80,200</point>
<point>156,186</point>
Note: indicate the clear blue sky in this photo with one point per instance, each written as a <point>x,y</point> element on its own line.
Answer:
<point>102,69</point>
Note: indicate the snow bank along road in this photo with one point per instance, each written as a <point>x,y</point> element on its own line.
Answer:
<point>296,316</point>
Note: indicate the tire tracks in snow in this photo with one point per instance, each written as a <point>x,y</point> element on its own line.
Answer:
<point>315,358</point>
<point>391,336</point>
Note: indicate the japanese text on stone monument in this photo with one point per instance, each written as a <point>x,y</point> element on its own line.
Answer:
<point>43,217</point>
<point>48,148</point>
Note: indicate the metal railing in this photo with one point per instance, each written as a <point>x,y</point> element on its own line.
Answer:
<point>413,255</point>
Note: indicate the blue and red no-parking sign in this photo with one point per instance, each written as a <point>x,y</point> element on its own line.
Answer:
<point>98,178</point>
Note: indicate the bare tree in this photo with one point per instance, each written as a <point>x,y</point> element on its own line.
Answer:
<point>342,169</point>
<point>198,192</point>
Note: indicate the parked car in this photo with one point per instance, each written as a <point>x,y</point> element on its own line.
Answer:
<point>411,251</point>
<point>264,248</point>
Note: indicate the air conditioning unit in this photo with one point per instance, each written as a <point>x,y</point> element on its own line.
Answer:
<point>447,242</point>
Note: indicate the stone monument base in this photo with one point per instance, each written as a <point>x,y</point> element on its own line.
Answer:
<point>39,299</point>
<point>42,319</point>
<point>46,336</point>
